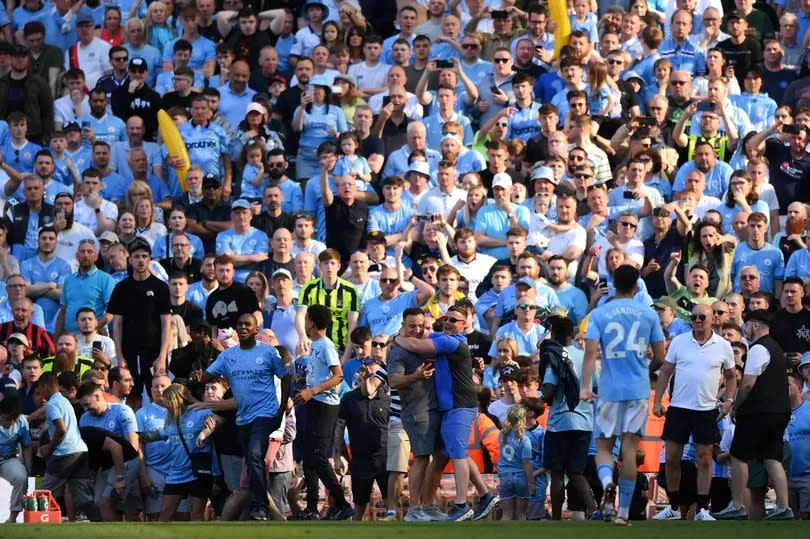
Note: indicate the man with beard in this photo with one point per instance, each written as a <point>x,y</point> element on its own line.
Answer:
<point>716,172</point>
<point>178,286</point>
<point>67,358</point>
<point>181,260</point>
<point>137,98</point>
<point>277,167</point>
<point>98,124</point>
<point>25,92</point>
<point>211,215</point>
<point>199,291</point>
<point>789,165</point>
<point>290,99</point>
<point>231,299</point>
<point>88,287</point>
<point>46,273</point>
<point>274,217</point>
<point>69,233</point>
<point>136,131</point>
<point>236,96</point>
<point>88,335</point>
<point>141,319</point>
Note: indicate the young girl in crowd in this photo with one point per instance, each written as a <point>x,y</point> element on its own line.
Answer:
<point>254,175</point>
<point>515,471</point>
<point>331,34</point>
<point>602,91</point>
<point>351,164</point>
<point>536,434</point>
<point>584,19</point>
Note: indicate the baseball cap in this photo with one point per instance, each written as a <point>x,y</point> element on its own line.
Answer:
<point>63,194</point>
<point>255,107</point>
<point>139,244</point>
<point>735,15</point>
<point>665,301</point>
<point>138,64</point>
<point>376,236</point>
<point>84,18</point>
<point>19,49</point>
<point>629,75</point>
<point>71,126</point>
<point>6,47</point>
<point>281,272</point>
<point>278,78</point>
<point>760,315</point>
<point>502,179</point>
<point>110,236</point>
<point>319,4</point>
<point>19,337</point>
<point>320,80</point>
<point>201,325</point>
<point>544,173</point>
<point>420,167</point>
<point>211,180</point>
<point>348,78</point>
<point>510,371</point>
<point>240,203</point>
<point>528,281</point>
<point>805,360</point>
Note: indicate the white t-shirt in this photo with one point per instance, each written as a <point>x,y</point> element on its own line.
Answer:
<point>436,201</point>
<point>698,370</point>
<point>84,214</point>
<point>107,346</point>
<point>474,271</point>
<point>634,249</point>
<point>413,108</point>
<point>560,241</point>
<point>94,60</point>
<point>499,409</point>
<point>67,243</point>
<point>369,77</point>
<point>757,361</point>
<point>63,109</point>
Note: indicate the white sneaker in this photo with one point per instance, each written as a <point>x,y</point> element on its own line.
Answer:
<point>415,514</point>
<point>704,514</point>
<point>667,513</point>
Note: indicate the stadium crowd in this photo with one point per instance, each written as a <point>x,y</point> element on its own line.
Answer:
<point>410,239</point>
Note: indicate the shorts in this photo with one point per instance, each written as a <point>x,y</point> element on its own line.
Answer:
<point>759,436</point>
<point>364,473</point>
<point>277,486</point>
<point>566,451</point>
<point>399,448</point>
<point>758,476</point>
<point>424,432</point>
<point>688,487</point>
<point>614,418</point>
<point>799,490</point>
<point>153,502</point>
<point>513,485</point>
<point>129,501</point>
<point>536,510</point>
<point>700,424</point>
<point>198,488</point>
<point>69,470</point>
<point>231,470</point>
<point>456,425</point>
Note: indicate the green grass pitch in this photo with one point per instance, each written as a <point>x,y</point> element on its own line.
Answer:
<point>392,530</point>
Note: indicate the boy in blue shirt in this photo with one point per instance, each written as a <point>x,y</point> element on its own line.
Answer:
<point>18,151</point>
<point>13,432</point>
<point>65,451</point>
<point>623,329</point>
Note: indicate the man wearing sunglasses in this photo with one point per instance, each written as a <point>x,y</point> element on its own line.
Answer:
<point>136,98</point>
<point>526,332</point>
<point>697,360</point>
<point>457,399</point>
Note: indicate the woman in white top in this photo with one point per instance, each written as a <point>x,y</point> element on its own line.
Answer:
<point>716,68</point>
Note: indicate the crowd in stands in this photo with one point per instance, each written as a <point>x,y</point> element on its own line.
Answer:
<point>410,241</point>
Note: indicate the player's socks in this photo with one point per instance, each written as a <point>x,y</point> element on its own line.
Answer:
<point>626,488</point>
<point>605,474</point>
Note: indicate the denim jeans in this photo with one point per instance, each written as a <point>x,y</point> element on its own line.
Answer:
<point>255,437</point>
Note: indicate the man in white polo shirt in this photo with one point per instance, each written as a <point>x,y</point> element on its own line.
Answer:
<point>696,359</point>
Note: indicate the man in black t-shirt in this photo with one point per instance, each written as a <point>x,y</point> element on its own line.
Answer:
<point>791,328</point>
<point>231,300</point>
<point>141,316</point>
<point>788,166</point>
<point>741,50</point>
<point>188,311</point>
<point>346,217</point>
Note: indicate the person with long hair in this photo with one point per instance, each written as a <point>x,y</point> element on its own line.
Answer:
<point>177,222</point>
<point>158,30</point>
<point>112,32</point>
<point>515,471</point>
<point>355,39</point>
<point>476,198</point>
<point>126,227</point>
<point>349,98</point>
<point>9,265</point>
<point>317,122</point>
<point>331,34</point>
<point>187,431</point>
<point>257,281</point>
<point>145,224</point>
<point>716,68</point>
<point>740,197</point>
<point>507,351</point>
<point>709,248</point>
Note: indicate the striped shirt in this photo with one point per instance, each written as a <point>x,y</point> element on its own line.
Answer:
<point>395,404</point>
<point>341,300</point>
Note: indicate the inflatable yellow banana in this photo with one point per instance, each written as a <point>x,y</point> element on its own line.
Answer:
<point>174,144</point>
<point>559,15</point>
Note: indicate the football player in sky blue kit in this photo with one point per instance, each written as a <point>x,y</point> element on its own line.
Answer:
<point>621,330</point>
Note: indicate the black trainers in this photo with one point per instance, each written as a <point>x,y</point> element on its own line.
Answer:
<point>344,512</point>
<point>257,515</point>
<point>308,514</point>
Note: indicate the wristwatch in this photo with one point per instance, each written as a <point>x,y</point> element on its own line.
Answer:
<point>98,210</point>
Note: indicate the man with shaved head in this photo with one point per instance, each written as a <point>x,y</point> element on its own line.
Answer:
<point>697,359</point>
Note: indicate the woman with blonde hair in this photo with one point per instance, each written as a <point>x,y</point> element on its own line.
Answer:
<point>506,350</point>
<point>515,471</point>
<point>187,432</point>
<point>476,199</point>
<point>158,30</point>
<point>257,281</point>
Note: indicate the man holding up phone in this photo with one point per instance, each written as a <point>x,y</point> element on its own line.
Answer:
<point>710,118</point>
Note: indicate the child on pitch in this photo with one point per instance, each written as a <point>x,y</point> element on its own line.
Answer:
<point>14,432</point>
<point>515,471</point>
